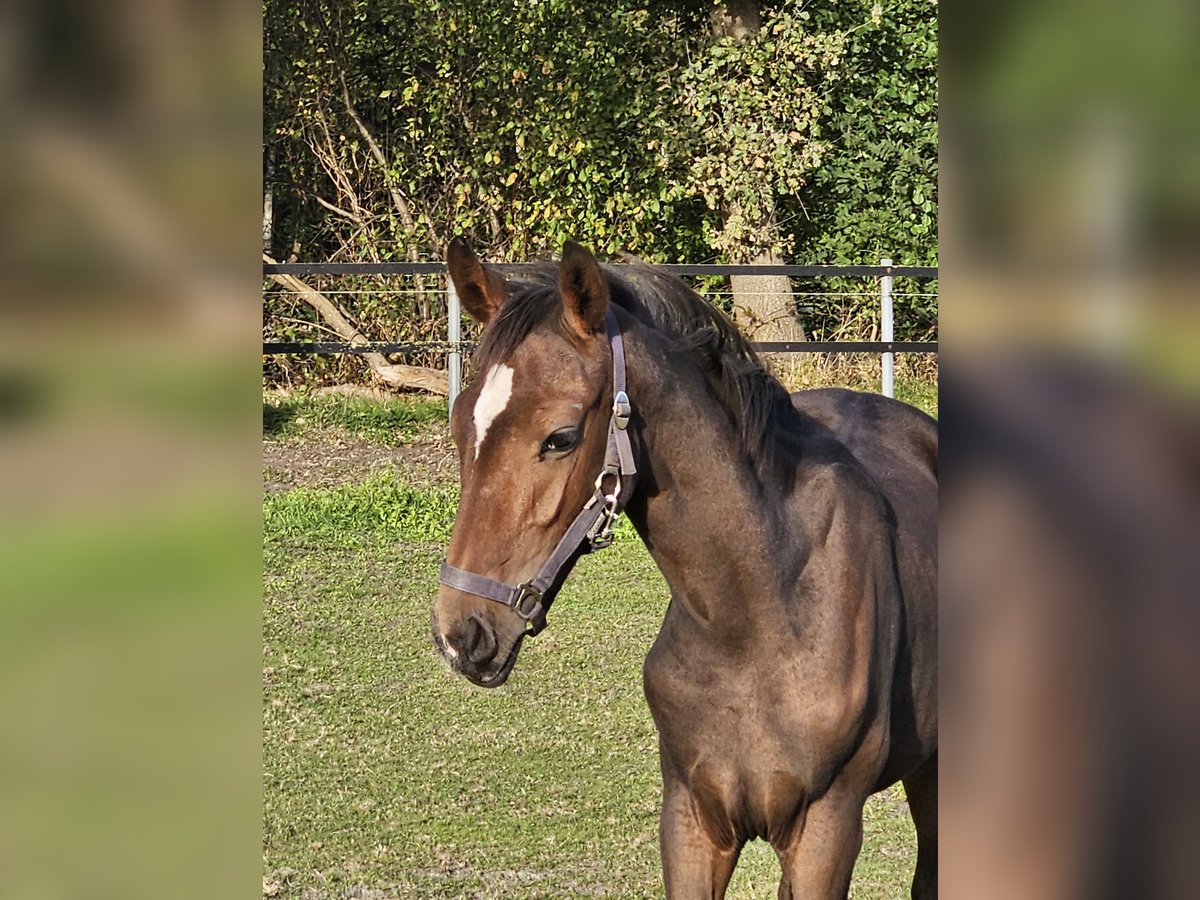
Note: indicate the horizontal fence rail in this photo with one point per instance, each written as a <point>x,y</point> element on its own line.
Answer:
<point>923,273</point>
<point>454,348</point>
<point>321,348</point>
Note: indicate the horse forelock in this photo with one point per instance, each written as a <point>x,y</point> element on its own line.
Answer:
<point>533,301</point>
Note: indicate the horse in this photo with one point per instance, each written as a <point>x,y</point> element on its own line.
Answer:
<point>795,672</point>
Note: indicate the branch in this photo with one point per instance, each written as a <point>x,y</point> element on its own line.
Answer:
<point>393,375</point>
<point>398,201</point>
<point>357,220</point>
<point>328,158</point>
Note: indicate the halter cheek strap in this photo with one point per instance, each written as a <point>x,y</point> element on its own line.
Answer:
<point>592,528</point>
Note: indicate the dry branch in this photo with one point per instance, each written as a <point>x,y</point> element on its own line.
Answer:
<point>357,220</point>
<point>395,376</point>
<point>398,200</point>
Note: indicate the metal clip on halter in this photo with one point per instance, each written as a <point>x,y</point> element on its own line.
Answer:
<point>528,602</point>
<point>600,535</point>
<point>622,410</point>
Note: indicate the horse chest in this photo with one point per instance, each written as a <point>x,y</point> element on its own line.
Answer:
<point>747,772</point>
<point>742,747</point>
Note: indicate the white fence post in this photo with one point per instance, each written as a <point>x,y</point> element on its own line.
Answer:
<point>453,335</point>
<point>885,326</point>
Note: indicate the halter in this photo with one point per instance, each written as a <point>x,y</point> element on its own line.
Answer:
<point>592,528</point>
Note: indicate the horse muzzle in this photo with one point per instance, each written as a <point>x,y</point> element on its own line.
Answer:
<point>474,649</point>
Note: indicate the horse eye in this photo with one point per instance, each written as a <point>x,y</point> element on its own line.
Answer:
<point>561,441</point>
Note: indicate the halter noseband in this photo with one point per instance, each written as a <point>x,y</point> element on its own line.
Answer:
<point>592,528</point>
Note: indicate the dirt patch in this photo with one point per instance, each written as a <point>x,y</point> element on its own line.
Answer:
<point>329,460</point>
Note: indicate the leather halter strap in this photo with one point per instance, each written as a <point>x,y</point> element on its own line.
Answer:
<point>592,528</point>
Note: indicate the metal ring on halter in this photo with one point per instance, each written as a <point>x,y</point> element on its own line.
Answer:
<point>610,498</point>
<point>527,610</point>
<point>600,535</point>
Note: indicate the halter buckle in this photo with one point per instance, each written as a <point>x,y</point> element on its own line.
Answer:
<point>602,535</point>
<point>528,602</point>
<point>622,410</point>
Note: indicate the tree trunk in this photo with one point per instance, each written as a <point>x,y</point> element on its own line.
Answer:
<point>763,305</point>
<point>268,201</point>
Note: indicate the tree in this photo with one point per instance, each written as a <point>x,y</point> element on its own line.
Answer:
<point>755,94</point>
<point>874,193</point>
<point>768,131</point>
<point>397,125</point>
<point>521,123</point>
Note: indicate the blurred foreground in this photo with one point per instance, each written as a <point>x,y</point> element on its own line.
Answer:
<point>129,517</point>
<point>1070,220</point>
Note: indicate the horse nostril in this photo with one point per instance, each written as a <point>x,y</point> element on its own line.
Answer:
<point>479,642</point>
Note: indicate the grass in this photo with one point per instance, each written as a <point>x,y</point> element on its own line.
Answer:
<point>390,421</point>
<point>919,393</point>
<point>386,776</point>
<point>380,504</point>
<point>915,376</point>
<point>384,772</point>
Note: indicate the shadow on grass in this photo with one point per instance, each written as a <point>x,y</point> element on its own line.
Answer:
<point>277,416</point>
<point>22,397</point>
<point>389,422</point>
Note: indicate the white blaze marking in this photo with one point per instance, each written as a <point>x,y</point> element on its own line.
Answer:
<point>497,389</point>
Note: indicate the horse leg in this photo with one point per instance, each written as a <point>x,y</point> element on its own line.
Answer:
<point>818,857</point>
<point>694,867</point>
<point>921,787</point>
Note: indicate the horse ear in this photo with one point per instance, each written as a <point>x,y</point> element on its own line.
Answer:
<point>481,290</point>
<point>584,290</point>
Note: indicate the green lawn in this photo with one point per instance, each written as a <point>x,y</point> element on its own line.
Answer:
<point>387,776</point>
<point>384,770</point>
<point>387,422</point>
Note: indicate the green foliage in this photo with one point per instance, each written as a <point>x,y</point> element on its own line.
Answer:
<point>527,123</point>
<point>522,123</point>
<point>621,125</point>
<point>756,104</point>
<point>875,192</point>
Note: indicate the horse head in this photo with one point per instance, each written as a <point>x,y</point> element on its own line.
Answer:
<point>531,432</point>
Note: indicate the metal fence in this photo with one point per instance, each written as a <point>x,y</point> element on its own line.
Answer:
<point>454,345</point>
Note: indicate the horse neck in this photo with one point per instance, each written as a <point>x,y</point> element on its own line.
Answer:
<point>699,508</point>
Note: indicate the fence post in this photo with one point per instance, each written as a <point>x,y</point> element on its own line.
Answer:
<point>453,335</point>
<point>885,326</point>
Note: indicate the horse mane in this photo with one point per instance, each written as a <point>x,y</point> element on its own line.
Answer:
<point>758,406</point>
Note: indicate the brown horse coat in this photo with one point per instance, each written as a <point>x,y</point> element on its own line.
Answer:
<point>795,672</point>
